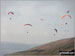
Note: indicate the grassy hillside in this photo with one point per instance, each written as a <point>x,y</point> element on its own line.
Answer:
<point>49,48</point>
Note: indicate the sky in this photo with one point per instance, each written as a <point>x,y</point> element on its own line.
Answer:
<point>30,12</point>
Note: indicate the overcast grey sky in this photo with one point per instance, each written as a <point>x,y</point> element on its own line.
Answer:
<point>30,12</point>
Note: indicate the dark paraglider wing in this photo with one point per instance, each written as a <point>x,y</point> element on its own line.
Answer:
<point>68,11</point>
<point>56,30</point>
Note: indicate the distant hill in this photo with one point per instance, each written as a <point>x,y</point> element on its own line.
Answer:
<point>49,48</point>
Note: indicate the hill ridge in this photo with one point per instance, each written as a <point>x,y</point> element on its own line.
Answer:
<point>50,48</point>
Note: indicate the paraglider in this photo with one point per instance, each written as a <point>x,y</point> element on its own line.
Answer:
<point>27,32</point>
<point>10,18</point>
<point>68,11</point>
<point>66,23</point>
<point>42,19</point>
<point>10,13</point>
<point>66,15</point>
<point>70,16</point>
<point>56,30</point>
<point>63,16</point>
<point>27,25</point>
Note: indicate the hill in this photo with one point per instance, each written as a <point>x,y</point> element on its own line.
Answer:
<point>52,48</point>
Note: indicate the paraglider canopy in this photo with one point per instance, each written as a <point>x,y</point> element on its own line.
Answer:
<point>41,19</point>
<point>70,16</point>
<point>56,30</point>
<point>68,11</point>
<point>66,23</point>
<point>67,15</point>
<point>63,16</point>
<point>27,24</point>
<point>10,13</point>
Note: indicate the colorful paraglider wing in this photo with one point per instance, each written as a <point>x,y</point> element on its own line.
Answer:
<point>10,13</point>
<point>63,16</point>
<point>27,24</point>
<point>56,30</point>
